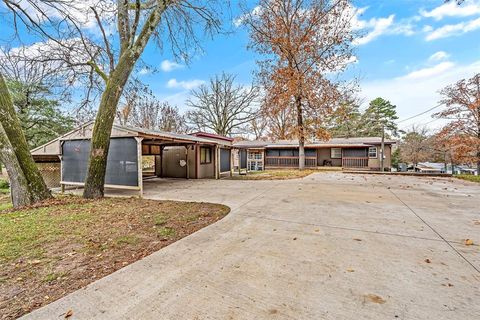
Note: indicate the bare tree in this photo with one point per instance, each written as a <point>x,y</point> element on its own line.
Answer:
<point>258,126</point>
<point>416,146</point>
<point>141,108</point>
<point>122,31</point>
<point>303,41</point>
<point>222,106</point>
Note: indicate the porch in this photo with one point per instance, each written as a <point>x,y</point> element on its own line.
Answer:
<point>275,162</point>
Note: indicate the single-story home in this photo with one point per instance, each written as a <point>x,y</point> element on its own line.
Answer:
<point>437,167</point>
<point>64,160</point>
<point>137,153</point>
<point>348,153</point>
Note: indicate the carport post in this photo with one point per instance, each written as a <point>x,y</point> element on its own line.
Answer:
<point>186,159</point>
<point>231,162</point>
<point>140,166</point>
<point>62,186</point>
<point>217,169</point>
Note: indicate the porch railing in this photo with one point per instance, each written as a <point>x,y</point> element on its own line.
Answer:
<point>289,161</point>
<point>355,162</point>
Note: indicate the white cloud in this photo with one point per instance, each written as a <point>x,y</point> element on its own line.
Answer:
<point>418,90</point>
<point>439,56</point>
<point>427,28</point>
<point>187,85</point>
<point>450,30</point>
<point>429,72</point>
<point>452,9</point>
<point>144,71</point>
<point>168,65</point>
<point>239,21</point>
<point>376,27</point>
<point>380,26</point>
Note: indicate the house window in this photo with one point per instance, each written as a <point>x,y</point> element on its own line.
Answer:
<point>205,155</point>
<point>372,152</point>
<point>336,153</point>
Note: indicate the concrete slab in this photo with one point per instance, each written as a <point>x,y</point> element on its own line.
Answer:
<point>330,246</point>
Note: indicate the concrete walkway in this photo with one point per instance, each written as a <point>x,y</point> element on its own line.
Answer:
<point>330,246</point>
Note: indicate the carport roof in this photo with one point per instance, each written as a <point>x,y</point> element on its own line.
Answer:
<point>84,131</point>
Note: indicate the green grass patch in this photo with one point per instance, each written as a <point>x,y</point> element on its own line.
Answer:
<point>24,232</point>
<point>166,232</point>
<point>468,177</point>
<point>54,276</point>
<point>127,240</point>
<point>160,219</point>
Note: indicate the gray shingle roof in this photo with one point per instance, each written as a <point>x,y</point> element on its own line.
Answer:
<point>340,142</point>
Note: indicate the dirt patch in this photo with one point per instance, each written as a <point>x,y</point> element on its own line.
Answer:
<point>62,245</point>
<point>285,174</point>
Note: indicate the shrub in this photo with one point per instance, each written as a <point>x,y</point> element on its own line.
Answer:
<point>4,184</point>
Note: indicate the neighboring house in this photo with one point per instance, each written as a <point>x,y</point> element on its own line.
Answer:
<point>437,167</point>
<point>348,153</point>
<point>429,167</point>
<point>196,156</point>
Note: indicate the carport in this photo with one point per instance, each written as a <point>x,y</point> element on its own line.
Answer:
<point>137,153</point>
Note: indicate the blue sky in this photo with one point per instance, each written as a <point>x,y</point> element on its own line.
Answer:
<point>409,50</point>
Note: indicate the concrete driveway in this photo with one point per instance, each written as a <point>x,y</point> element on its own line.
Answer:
<point>330,246</point>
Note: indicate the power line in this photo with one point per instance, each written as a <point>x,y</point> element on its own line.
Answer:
<point>421,113</point>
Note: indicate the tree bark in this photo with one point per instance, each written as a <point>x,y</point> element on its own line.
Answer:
<point>18,183</point>
<point>301,133</point>
<point>35,184</point>
<point>94,183</point>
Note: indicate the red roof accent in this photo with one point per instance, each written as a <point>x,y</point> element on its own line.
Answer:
<point>211,135</point>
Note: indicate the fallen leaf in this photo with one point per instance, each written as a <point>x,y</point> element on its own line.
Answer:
<point>68,314</point>
<point>350,270</point>
<point>317,230</point>
<point>374,298</point>
<point>468,242</point>
<point>427,260</point>
<point>357,239</point>
<point>295,238</point>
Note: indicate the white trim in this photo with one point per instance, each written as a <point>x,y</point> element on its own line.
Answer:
<point>376,153</point>
<point>332,153</point>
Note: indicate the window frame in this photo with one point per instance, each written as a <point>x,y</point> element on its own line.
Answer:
<point>203,152</point>
<point>376,152</point>
<point>332,155</point>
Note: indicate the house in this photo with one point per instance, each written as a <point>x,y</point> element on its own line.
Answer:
<point>348,153</point>
<point>437,167</point>
<point>429,167</point>
<point>64,160</point>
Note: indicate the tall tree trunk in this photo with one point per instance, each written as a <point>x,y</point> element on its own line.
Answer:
<point>478,163</point>
<point>18,183</point>
<point>301,133</point>
<point>94,183</point>
<point>13,131</point>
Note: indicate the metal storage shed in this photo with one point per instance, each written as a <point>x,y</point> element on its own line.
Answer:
<point>175,155</point>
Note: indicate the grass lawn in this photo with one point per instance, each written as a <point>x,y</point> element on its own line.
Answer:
<point>4,195</point>
<point>468,177</point>
<point>280,174</point>
<point>59,246</point>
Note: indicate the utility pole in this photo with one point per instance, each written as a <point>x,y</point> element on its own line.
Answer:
<point>382,167</point>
